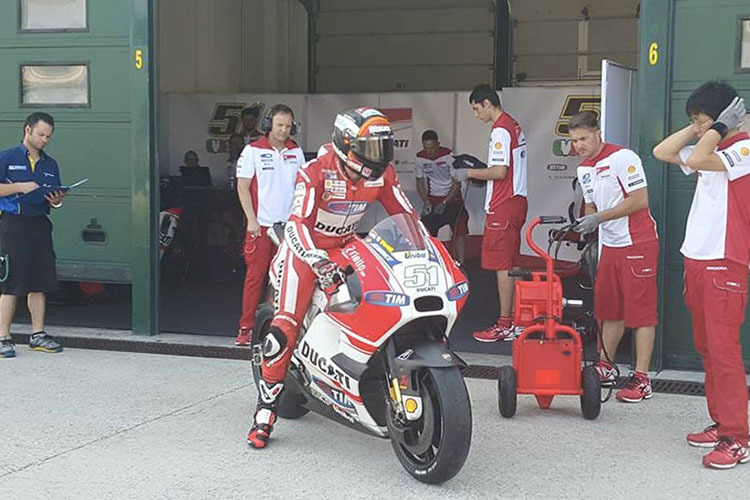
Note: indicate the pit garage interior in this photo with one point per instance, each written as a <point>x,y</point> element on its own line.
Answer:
<point>167,76</point>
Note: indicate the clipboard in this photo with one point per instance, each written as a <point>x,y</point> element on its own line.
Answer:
<point>37,196</point>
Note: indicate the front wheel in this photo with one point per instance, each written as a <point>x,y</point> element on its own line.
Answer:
<point>434,448</point>
<point>290,404</point>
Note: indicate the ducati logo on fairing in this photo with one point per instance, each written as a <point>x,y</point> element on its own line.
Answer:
<point>324,365</point>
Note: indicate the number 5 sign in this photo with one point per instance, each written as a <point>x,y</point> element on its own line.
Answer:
<point>138,58</point>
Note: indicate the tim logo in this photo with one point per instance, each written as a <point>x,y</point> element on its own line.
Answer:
<point>401,120</point>
<point>573,105</point>
<point>346,207</point>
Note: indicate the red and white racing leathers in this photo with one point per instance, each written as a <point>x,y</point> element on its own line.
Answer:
<point>327,209</point>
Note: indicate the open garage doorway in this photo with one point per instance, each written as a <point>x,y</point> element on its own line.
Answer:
<point>218,63</point>
<point>218,59</point>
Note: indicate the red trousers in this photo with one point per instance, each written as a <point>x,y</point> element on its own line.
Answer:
<point>716,294</point>
<point>258,251</point>
<point>297,285</point>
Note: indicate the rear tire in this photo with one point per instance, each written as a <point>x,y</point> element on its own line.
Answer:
<point>437,457</point>
<point>290,403</point>
<point>591,403</point>
<point>507,395</point>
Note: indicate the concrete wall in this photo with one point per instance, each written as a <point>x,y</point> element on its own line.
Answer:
<point>232,46</point>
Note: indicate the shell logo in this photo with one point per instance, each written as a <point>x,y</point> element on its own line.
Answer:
<point>745,151</point>
<point>498,145</point>
<point>631,169</point>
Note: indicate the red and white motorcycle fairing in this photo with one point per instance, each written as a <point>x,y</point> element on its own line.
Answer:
<point>405,276</point>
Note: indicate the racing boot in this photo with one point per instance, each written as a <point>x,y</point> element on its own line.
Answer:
<point>265,413</point>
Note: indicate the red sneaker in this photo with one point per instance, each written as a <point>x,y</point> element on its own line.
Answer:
<point>636,390</point>
<point>607,373</point>
<point>243,337</point>
<point>498,331</point>
<point>727,453</point>
<point>707,438</point>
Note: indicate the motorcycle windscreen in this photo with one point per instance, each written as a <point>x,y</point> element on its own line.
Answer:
<point>397,233</point>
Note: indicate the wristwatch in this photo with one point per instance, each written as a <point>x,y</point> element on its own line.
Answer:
<point>721,128</point>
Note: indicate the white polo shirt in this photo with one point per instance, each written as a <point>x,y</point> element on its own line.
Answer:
<point>438,171</point>
<point>718,225</point>
<point>507,147</point>
<point>606,180</point>
<point>273,175</point>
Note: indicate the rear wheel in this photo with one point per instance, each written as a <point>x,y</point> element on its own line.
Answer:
<point>434,448</point>
<point>290,403</point>
<point>591,403</point>
<point>506,391</point>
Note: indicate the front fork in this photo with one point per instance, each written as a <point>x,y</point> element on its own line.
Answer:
<point>405,398</point>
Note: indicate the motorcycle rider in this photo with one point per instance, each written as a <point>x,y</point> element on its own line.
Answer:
<point>331,196</point>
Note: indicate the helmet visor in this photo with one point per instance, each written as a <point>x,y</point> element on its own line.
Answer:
<point>374,149</point>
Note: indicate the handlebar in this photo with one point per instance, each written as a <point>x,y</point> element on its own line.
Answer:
<point>552,219</point>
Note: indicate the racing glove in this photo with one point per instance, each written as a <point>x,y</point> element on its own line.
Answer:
<point>325,269</point>
<point>587,224</point>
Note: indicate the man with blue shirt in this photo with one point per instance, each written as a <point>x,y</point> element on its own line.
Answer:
<point>26,232</point>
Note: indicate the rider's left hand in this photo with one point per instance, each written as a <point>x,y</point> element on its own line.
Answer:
<point>327,272</point>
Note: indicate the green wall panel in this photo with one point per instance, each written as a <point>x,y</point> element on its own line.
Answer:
<point>695,57</point>
<point>108,85</point>
<point>108,22</point>
<point>84,214</point>
<point>110,142</point>
<point>678,333</point>
<point>93,141</point>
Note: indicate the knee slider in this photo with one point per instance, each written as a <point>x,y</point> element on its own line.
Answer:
<point>274,344</point>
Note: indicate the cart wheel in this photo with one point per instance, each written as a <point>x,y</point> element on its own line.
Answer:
<point>591,403</point>
<point>506,391</point>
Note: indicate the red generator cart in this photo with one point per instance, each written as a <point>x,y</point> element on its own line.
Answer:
<point>547,355</point>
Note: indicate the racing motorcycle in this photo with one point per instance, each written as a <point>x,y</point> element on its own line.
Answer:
<point>374,354</point>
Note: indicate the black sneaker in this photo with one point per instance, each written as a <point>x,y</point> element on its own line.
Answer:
<point>43,342</point>
<point>7,349</point>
